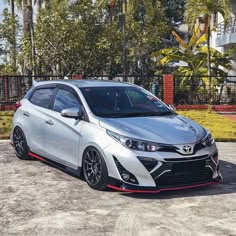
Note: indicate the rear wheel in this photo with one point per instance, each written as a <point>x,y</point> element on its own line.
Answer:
<point>95,169</point>
<point>20,144</point>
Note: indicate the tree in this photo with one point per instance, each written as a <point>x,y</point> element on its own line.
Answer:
<point>27,34</point>
<point>12,28</point>
<point>174,10</point>
<point>70,39</point>
<point>8,29</point>
<point>195,55</point>
<point>143,26</point>
<point>208,10</point>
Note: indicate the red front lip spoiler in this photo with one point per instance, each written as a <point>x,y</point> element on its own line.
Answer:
<point>159,190</point>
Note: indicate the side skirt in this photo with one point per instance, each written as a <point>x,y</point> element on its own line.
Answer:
<point>57,165</point>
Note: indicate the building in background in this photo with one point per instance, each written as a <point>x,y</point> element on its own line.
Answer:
<point>225,37</point>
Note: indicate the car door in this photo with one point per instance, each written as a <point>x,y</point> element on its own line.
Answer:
<point>35,112</point>
<point>62,135</point>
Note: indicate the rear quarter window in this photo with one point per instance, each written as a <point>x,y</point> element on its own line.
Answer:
<point>42,97</point>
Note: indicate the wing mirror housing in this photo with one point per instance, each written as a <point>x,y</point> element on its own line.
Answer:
<point>74,112</point>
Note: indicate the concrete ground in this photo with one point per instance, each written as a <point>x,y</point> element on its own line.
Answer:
<point>37,199</point>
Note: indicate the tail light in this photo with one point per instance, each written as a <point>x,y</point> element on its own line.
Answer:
<point>17,105</point>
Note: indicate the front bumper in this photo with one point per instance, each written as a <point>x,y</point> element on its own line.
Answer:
<point>168,171</point>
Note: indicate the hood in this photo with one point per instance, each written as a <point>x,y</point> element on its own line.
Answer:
<point>173,129</point>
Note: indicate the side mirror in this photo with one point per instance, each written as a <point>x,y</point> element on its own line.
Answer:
<point>171,107</point>
<point>74,112</point>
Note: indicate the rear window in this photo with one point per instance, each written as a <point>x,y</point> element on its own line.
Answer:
<point>43,97</point>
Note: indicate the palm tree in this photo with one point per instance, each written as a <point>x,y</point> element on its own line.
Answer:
<point>195,56</point>
<point>208,10</point>
<point>27,10</point>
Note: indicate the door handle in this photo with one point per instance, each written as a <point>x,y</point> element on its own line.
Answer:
<point>26,113</point>
<point>49,122</point>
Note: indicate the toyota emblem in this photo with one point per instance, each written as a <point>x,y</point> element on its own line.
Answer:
<point>187,149</point>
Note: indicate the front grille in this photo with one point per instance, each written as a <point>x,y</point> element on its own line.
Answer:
<point>185,173</point>
<point>171,148</point>
<point>184,178</point>
<point>167,148</point>
<point>188,166</point>
<point>186,158</point>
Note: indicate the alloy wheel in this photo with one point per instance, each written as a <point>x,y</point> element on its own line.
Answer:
<point>93,166</point>
<point>20,144</point>
<point>18,140</point>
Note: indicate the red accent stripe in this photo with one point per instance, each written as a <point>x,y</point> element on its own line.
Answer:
<point>36,156</point>
<point>160,190</point>
<point>132,191</point>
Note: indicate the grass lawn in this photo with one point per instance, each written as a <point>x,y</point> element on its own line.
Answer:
<point>5,124</point>
<point>222,128</point>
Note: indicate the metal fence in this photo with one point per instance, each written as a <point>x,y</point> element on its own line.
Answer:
<point>205,90</point>
<point>13,88</point>
<point>187,90</point>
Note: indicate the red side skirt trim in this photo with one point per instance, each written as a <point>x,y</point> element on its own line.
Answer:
<point>160,190</point>
<point>36,156</point>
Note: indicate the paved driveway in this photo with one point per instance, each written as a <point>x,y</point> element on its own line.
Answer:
<point>36,199</point>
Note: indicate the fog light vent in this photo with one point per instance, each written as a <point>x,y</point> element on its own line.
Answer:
<point>149,163</point>
<point>215,157</point>
<point>125,174</point>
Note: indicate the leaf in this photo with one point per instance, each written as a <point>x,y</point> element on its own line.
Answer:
<point>201,40</point>
<point>179,40</point>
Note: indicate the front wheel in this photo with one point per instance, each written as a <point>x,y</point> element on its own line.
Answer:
<point>20,144</point>
<point>95,169</point>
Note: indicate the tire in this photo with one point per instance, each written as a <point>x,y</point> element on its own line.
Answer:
<point>95,169</point>
<point>20,144</point>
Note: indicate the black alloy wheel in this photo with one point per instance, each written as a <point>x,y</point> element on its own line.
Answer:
<point>20,144</point>
<point>94,169</point>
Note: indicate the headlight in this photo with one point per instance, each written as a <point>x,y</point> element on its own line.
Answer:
<point>134,144</point>
<point>208,140</point>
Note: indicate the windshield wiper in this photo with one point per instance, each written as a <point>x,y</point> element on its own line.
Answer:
<point>166,113</point>
<point>140,114</point>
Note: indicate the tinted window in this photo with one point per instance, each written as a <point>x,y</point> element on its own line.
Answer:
<point>65,99</point>
<point>123,102</point>
<point>42,97</point>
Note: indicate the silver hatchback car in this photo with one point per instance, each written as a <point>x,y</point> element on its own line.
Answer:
<point>116,135</point>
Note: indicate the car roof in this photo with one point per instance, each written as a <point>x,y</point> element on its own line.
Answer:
<point>86,83</point>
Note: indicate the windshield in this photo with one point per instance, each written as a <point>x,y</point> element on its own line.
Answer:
<point>118,102</point>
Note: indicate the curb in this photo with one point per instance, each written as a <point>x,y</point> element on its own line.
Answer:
<point>5,141</point>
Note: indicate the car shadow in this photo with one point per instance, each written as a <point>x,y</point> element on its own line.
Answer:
<point>226,186</point>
